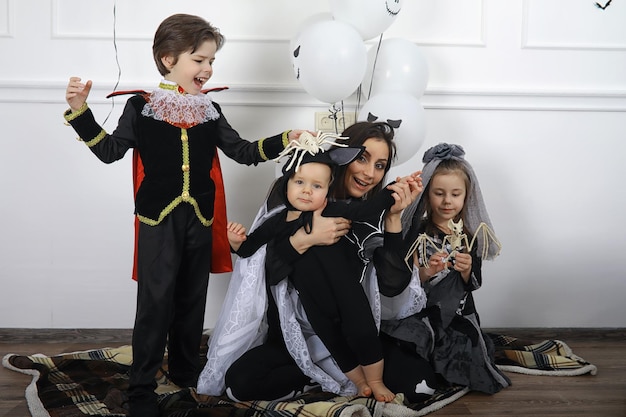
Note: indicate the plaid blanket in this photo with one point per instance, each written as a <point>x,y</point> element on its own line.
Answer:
<point>94,382</point>
<point>550,357</point>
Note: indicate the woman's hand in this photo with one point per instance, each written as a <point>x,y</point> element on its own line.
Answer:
<point>76,93</point>
<point>405,192</point>
<point>326,231</point>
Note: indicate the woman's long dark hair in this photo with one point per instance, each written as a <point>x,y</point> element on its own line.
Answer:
<point>358,133</point>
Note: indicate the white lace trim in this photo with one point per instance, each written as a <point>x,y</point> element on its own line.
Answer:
<point>408,302</point>
<point>169,105</point>
<point>241,323</point>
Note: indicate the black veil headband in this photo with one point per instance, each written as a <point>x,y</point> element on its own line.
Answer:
<point>476,211</point>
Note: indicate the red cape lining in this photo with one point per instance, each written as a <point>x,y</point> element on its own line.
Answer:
<point>221,260</point>
<point>220,254</point>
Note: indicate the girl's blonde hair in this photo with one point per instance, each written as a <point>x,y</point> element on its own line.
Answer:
<point>448,167</point>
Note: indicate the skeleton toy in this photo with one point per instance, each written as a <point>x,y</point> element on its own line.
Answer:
<point>455,241</point>
<point>307,143</point>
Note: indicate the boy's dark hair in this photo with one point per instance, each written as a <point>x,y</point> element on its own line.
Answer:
<point>358,134</point>
<point>180,33</point>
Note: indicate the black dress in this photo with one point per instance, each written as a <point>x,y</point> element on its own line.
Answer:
<point>448,331</point>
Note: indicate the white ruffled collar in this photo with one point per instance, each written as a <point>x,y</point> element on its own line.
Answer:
<point>171,104</point>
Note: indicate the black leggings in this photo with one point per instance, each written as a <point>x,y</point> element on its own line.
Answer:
<point>327,281</point>
<point>268,372</point>
<point>407,372</point>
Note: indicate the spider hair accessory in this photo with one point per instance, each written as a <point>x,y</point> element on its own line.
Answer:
<point>308,144</point>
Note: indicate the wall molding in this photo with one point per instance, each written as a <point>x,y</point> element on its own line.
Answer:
<point>441,37</point>
<point>6,27</point>
<point>531,100</point>
<point>435,98</point>
<point>58,33</point>
<point>527,43</point>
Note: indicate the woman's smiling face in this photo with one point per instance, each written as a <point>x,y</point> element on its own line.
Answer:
<point>368,170</point>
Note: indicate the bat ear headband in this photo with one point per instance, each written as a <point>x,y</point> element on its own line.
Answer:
<point>308,148</point>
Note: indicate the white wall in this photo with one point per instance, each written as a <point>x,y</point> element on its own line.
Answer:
<point>535,90</point>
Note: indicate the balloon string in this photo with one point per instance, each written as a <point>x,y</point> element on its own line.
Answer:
<point>380,41</point>
<point>333,115</point>
<point>119,68</point>
<point>359,92</point>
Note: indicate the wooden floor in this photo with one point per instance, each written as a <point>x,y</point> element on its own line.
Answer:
<point>602,395</point>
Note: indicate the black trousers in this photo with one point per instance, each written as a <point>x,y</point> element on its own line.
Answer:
<point>267,372</point>
<point>174,259</point>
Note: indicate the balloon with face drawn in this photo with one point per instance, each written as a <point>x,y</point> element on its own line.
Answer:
<point>293,43</point>
<point>329,60</point>
<point>405,113</point>
<point>369,17</point>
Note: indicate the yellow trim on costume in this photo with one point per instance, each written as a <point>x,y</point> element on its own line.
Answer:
<point>261,151</point>
<point>184,196</point>
<point>97,139</point>
<point>286,138</point>
<point>186,174</point>
<point>70,115</point>
<point>171,206</point>
<point>167,86</point>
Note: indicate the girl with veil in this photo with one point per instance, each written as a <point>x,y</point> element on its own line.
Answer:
<point>448,330</point>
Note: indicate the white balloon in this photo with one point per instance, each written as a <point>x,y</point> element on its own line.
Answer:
<point>329,60</point>
<point>405,113</point>
<point>369,17</point>
<point>397,66</point>
<point>293,44</point>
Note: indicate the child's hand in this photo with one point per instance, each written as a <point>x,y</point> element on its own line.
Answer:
<point>417,182</point>
<point>77,92</point>
<point>437,263</point>
<point>463,264</point>
<point>415,176</point>
<point>236,234</point>
<point>295,134</point>
<point>406,189</point>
